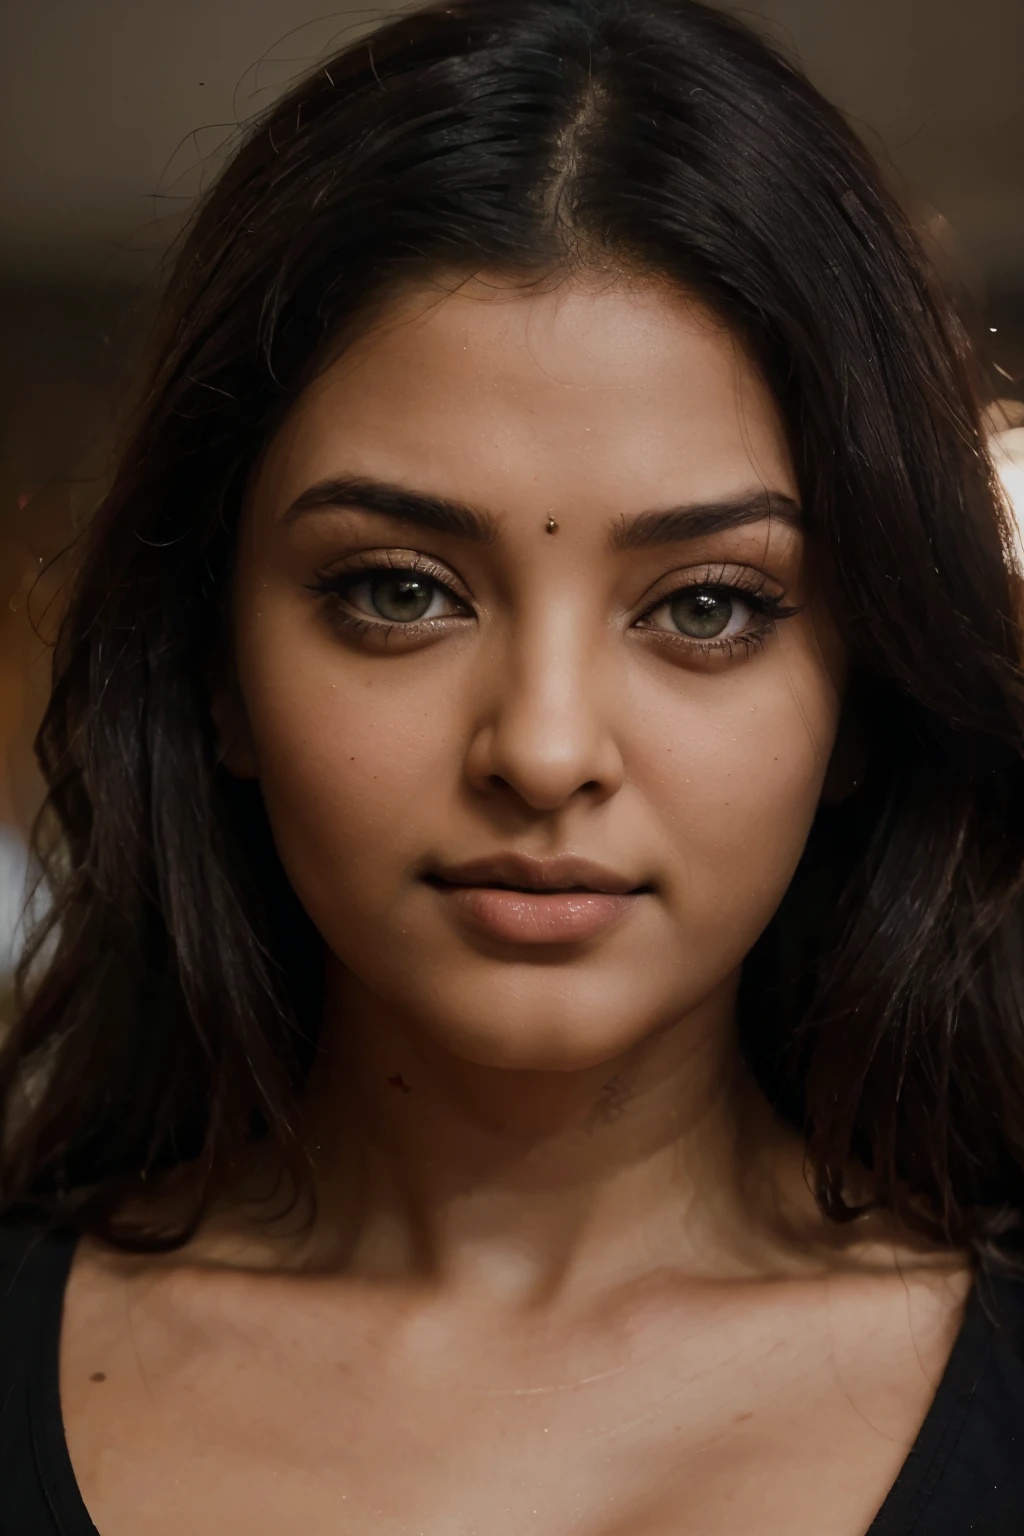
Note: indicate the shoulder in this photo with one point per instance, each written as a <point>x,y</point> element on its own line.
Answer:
<point>29,1245</point>
<point>983,1424</point>
<point>999,1298</point>
<point>34,1264</point>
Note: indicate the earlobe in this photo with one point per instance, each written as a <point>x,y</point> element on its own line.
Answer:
<point>232,738</point>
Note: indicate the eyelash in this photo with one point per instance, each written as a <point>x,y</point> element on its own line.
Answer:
<point>767,609</point>
<point>336,587</point>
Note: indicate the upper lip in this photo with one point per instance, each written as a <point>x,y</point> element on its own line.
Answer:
<point>520,871</point>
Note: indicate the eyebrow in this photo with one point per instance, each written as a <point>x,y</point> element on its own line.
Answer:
<point>699,520</point>
<point>669,526</point>
<point>436,512</point>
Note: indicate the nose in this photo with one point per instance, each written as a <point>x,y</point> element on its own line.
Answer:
<point>546,730</point>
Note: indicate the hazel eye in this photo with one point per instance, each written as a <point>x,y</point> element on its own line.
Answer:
<point>401,597</point>
<point>703,613</point>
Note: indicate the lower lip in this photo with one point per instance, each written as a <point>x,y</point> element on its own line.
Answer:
<point>527,917</point>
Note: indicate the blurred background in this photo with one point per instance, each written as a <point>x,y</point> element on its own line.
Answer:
<point>117,113</point>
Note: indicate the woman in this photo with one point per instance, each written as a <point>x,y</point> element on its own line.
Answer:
<point>527,1034</point>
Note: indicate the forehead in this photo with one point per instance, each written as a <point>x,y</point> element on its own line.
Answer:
<point>612,392</point>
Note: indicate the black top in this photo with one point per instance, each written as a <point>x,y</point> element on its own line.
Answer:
<point>964,1473</point>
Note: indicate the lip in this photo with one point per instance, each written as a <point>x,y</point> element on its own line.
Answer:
<point>518,899</point>
<point>564,872</point>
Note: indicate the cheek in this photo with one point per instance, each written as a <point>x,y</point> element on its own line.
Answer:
<point>349,753</point>
<point>737,774</point>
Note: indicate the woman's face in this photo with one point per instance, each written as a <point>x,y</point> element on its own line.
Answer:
<point>538,694</point>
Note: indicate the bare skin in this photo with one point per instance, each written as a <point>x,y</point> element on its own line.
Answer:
<point>565,1273</point>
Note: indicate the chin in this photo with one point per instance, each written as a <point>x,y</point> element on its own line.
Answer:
<point>514,1031</point>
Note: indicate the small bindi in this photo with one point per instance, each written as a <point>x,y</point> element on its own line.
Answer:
<point>398,1081</point>
<point>550,526</point>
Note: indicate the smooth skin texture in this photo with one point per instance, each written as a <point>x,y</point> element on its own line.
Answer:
<point>565,1273</point>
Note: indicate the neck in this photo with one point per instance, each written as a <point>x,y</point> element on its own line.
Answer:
<point>433,1167</point>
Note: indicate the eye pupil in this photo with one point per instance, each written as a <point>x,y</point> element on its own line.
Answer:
<point>402,599</point>
<point>701,613</point>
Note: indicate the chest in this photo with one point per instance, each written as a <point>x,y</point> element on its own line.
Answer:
<point>647,1421</point>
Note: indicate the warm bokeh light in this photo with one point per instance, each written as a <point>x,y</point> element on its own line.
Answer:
<point>1008,457</point>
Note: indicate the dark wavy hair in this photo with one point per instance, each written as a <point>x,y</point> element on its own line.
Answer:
<point>169,1000</point>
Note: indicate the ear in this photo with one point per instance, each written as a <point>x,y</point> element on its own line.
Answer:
<point>848,764</point>
<point>232,736</point>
